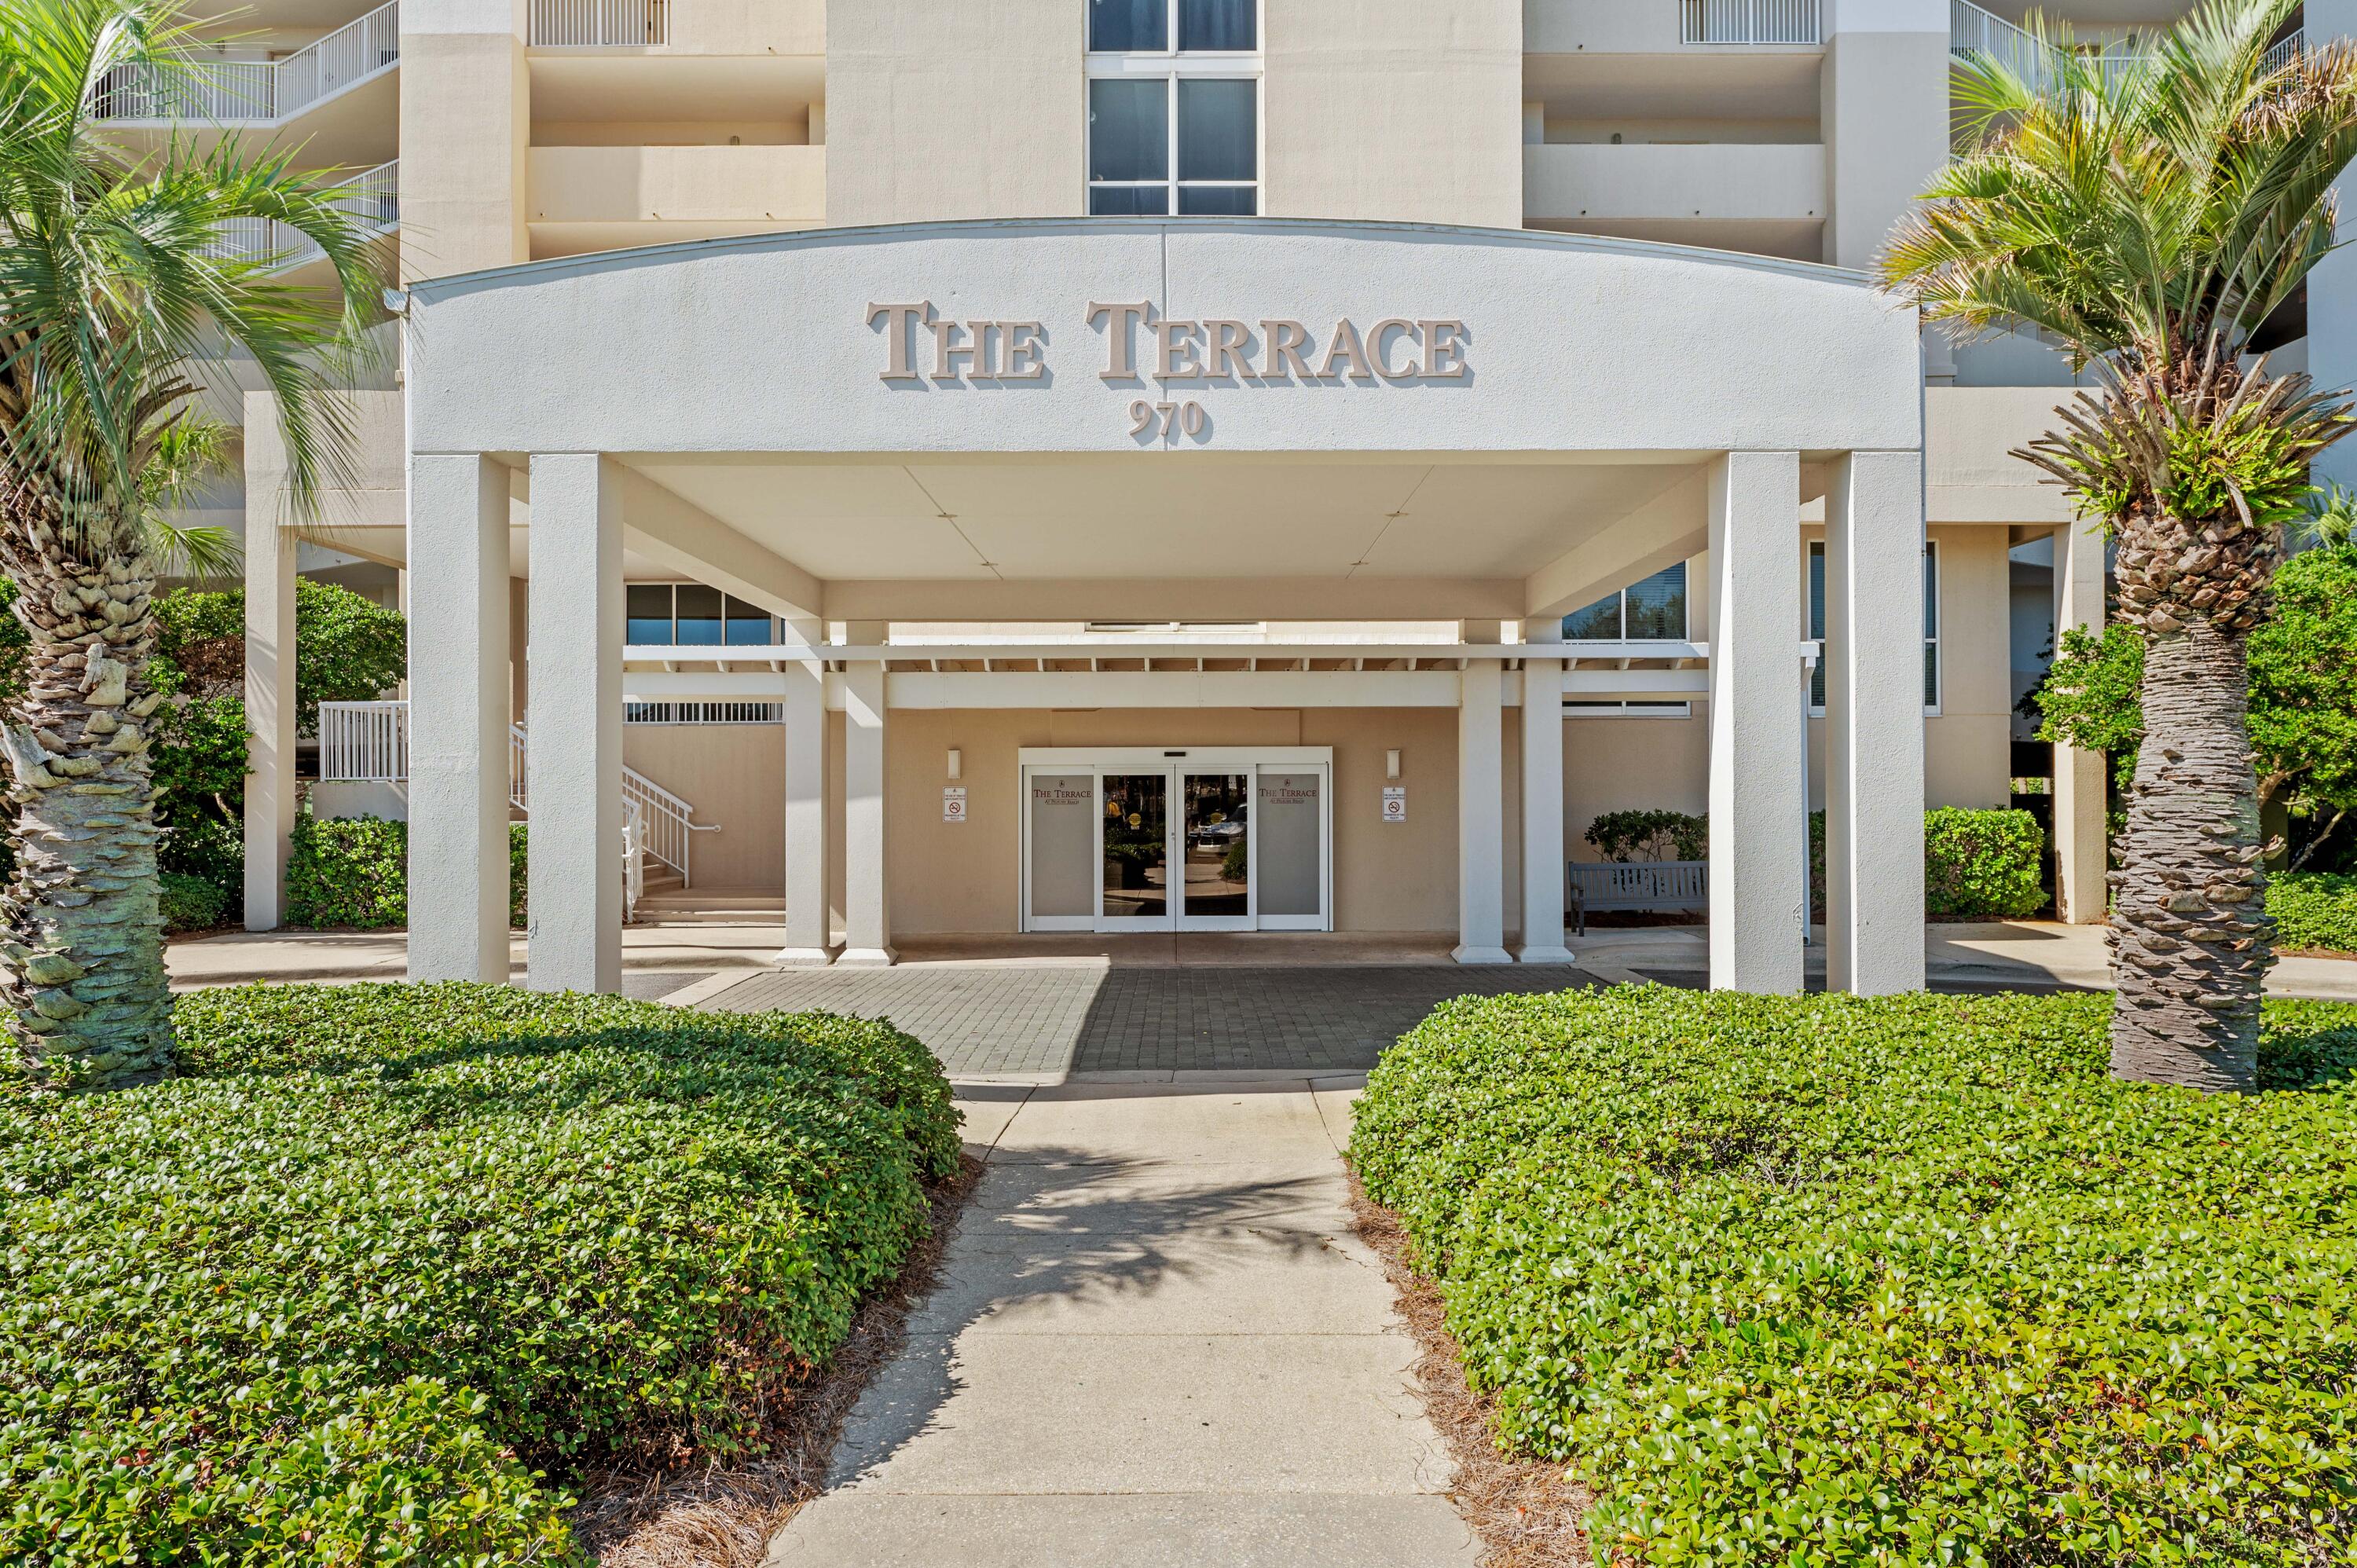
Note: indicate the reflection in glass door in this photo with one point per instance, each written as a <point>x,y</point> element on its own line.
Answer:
<point>1216,892</point>
<point>1135,850</point>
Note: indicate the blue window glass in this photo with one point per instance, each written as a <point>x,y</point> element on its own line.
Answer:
<point>1217,24</point>
<point>1129,130</point>
<point>1598,622</point>
<point>1218,138</point>
<point>1128,24</point>
<point>699,616</point>
<point>645,610</point>
<point>749,625</point>
<point>1129,201</point>
<point>1218,200</point>
<point>1655,609</point>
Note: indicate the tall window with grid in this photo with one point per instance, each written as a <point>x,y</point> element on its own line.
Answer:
<point>1174,107</point>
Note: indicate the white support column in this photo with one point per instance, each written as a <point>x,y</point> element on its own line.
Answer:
<point>457,717</point>
<point>810,939</point>
<point>866,881</point>
<point>1543,872</point>
<point>1758,750</point>
<point>2081,842</point>
<point>270,553</point>
<point>1481,815</point>
<point>1874,724</point>
<point>574,765</point>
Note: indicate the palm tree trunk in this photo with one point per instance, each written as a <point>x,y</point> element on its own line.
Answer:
<point>81,951</point>
<point>2190,940</point>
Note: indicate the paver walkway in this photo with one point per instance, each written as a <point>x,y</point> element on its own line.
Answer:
<point>1155,1341</point>
<point>1045,1021</point>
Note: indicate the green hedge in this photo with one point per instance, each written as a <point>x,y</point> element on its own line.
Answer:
<point>1983,866</point>
<point>190,903</point>
<point>1898,1281</point>
<point>389,1251</point>
<point>2314,910</point>
<point>354,872</point>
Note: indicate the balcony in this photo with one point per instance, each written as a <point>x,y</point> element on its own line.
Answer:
<point>603,198</point>
<point>1752,22</point>
<point>680,26</point>
<point>264,93</point>
<point>1767,198</point>
<point>372,198</point>
<point>600,24</point>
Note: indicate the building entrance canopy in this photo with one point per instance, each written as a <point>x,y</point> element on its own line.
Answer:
<point>1154,420</point>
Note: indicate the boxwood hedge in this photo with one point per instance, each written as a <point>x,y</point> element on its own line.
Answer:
<point>389,1258</point>
<point>1893,1280</point>
<point>2314,910</point>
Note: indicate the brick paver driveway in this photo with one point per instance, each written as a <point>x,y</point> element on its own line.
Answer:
<point>1046,1020</point>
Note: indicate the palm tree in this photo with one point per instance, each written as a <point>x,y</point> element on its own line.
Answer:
<point>2148,221</point>
<point>116,293</point>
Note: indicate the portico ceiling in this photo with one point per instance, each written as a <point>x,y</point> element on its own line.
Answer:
<point>1151,516</point>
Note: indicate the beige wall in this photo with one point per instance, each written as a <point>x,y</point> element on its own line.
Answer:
<point>734,775</point>
<point>1968,749</point>
<point>940,109</point>
<point>773,186</point>
<point>1394,108</point>
<point>465,116</point>
<point>749,27</point>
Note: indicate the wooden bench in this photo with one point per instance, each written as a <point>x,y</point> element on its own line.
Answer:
<point>1644,885</point>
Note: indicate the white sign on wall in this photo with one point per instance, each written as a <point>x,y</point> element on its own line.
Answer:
<point>953,805</point>
<point>1395,802</point>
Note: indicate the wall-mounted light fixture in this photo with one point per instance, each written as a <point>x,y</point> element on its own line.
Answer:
<point>957,763</point>
<point>1391,763</point>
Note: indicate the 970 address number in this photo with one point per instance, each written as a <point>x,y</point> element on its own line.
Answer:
<point>1174,416</point>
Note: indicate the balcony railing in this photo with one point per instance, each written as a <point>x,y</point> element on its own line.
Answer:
<point>2285,50</point>
<point>1972,30</point>
<point>599,24</point>
<point>257,89</point>
<point>1748,22</point>
<point>372,198</point>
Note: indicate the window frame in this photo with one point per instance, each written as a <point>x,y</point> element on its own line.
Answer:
<point>1934,641</point>
<point>1685,596</point>
<point>727,601</point>
<point>1170,66</point>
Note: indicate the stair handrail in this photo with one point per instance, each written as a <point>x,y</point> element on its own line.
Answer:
<point>256,90</point>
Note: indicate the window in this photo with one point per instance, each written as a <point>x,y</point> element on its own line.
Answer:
<point>1174,107</point>
<point>1652,611</point>
<point>1610,710</point>
<point>1930,627</point>
<point>689,615</point>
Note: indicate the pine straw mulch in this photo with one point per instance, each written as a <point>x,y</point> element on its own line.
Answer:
<point>714,1518</point>
<point>1526,1512</point>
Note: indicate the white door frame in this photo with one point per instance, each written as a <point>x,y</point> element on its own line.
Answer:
<point>1175,763</point>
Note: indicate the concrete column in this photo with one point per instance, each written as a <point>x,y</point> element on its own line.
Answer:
<point>574,766</point>
<point>1874,724</point>
<point>866,881</point>
<point>1544,873</point>
<point>2332,287</point>
<point>1481,815</point>
<point>466,110</point>
<point>1758,755</point>
<point>810,939</point>
<point>457,717</point>
<point>2081,843</point>
<point>270,577</point>
<point>1883,108</point>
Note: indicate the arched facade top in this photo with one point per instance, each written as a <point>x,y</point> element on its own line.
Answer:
<point>1110,336</point>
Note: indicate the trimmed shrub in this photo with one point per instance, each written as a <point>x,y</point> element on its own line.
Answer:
<point>1982,866</point>
<point>2314,910</point>
<point>1902,1280</point>
<point>347,871</point>
<point>390,1250</point>
<point>190,903</point>
<point>1650,836</point>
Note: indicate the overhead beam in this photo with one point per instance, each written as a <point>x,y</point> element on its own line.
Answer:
<point>1156,599</point>
<point>1158,689</point>
<point>1671,527</point>
<point>666,527</point>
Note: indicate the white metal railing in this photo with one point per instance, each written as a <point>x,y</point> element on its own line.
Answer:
<point>2284,51</point>
<point>599,24</point>
<point>713,712</point>
<point>372,199</point>
<point>256,90</point>
<point>1972,30</point>
<point>369,742</point>
<point>1748,22</point>
<point>634,861</point>
<point>364,742</point>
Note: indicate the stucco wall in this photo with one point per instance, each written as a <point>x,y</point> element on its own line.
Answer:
<point>734,775</point>
<point>955,109</point>
<point>466,116</point>
<point>1394,108</point>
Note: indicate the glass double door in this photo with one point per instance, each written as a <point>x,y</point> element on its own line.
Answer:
<point>1233,847</point>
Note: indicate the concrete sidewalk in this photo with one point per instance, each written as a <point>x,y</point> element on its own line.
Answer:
<point>1156,1340</point>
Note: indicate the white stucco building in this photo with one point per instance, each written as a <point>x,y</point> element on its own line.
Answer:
<point>943,467</point>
